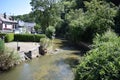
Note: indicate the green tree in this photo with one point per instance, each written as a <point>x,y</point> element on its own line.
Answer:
<point>98,17</point>
<point>26,17</point>
<point>46,12</point>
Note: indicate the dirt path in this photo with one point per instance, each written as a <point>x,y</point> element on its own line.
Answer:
<point>24,46</point>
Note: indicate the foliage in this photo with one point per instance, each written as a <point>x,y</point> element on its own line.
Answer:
<point>116,2</point>
<point>45,43</point>
<point>37,28</point>
<point>26,17</point>
<point>97,18</point>
<point>2,46</point>
<point>7,57</point>
<point>46,12</point>
<point>28,37</point>
<point>9,37</point>
<point>117,21</point>
<point>102,62</point>
<point>50,31</point>
<point>77,24</point>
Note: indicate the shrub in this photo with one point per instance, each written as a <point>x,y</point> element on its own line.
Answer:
<point>45,46</point>
<point>102,62</point>
<point>45,43</point>
<point>2,46</point>
<point>9,37</point>
<point>28,37</point>
<point>50,31</point>
<point>7,57</point>
<point>39,36</point>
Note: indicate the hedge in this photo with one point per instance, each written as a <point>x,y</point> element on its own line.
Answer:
<point>8,37</point>
<point>28,37</point>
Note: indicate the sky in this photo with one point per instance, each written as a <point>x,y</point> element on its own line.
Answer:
<point>15,7</point>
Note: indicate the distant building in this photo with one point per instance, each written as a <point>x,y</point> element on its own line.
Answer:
<point>26,27</point>
<point>7,23</point>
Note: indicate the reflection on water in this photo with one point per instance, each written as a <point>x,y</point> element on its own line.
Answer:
<point>49,67</point>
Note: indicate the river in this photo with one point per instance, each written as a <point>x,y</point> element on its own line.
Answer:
<point>48,67</point>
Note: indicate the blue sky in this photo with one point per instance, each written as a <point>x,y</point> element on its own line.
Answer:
<point>16,7</point>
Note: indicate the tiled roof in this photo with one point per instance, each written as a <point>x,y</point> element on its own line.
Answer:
<point>7,19</point>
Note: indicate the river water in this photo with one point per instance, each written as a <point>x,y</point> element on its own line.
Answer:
<point>49,67</point>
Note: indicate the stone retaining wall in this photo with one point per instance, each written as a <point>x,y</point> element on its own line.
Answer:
<point>33,53</point>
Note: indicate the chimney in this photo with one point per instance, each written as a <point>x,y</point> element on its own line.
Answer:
<point>5,15</point>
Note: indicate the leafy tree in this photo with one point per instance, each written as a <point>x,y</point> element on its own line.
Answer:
<point>26,17</point>
<point>46,12</point>
<point>98,17</point>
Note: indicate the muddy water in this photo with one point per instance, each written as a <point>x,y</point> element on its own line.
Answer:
<point>49,67</point>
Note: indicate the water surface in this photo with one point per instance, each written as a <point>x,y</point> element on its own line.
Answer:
<point>49,67</point>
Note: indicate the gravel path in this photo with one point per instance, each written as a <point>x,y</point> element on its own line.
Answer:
<point>24,46</point>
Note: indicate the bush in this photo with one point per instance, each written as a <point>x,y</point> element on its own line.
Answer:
<point>50,31</point>
<point>9,37</point>
<point>7,57</point>
<point>45,46</point>
<point>102,62</point>
<point>45,43</point>
<point>39,36</point>
<point>2,46</point>
<point>28,37</point>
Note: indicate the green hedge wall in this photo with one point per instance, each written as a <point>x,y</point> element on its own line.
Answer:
<point>28,37</point>
<point>8,37</point>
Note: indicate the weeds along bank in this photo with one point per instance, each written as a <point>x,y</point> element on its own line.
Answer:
<point>8,58</point>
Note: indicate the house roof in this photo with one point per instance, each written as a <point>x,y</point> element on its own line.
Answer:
<point>7,19</point>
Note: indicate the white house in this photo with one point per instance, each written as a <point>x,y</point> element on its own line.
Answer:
<point>7,23</point>
<point>25,27</point>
